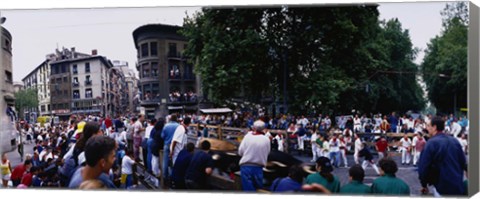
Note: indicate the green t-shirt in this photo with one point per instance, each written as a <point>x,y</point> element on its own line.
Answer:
<point>356,187</point>
<point>390,185</point>
<point>333,186</point>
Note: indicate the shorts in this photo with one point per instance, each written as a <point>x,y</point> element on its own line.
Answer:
<point>6,177</point>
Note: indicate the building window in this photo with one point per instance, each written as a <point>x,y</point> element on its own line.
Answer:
<point>87,67</point>
<point>59,80</point>
<point>76,94</point>
<point>64,68</point>
<point>65,79</point>
<point>88,93</point>
<point>172,49</point>
<point>75,81</point>
<point>88,81</point>
<point>144,50</point>
<point>48,107</point>
<point>154,69</point>
<point>75,69</point>
<point>43,108</point>
<point>153,49</point>
<point>146,73</point>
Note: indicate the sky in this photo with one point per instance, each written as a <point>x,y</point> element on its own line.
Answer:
<point>38,32</point>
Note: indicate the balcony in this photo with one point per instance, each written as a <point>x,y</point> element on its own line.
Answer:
<point>88,82</point>
<point>189,77</point>
<point>174,76</point>
<point>75,84</point>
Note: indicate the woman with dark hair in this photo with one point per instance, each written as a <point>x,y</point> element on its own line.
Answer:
<point>156,143</point>
<point>324,175</point>
<point>389,184</point>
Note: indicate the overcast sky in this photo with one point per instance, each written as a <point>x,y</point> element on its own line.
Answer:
<point>37,33</point>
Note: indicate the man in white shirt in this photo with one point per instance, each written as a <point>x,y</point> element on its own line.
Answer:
<point>357,124</point>
<point>335,151</point>
<point>463,142</point>
<point>358,147</point>
<point>328,122</point>
<point>456,128</point>
<point>254,150</point>
<point>179,140</point>
<point>405,147</point>
<point>315,147</point>
<point>148,130</point>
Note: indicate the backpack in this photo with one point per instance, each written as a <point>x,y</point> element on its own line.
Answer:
<point>69,167</point>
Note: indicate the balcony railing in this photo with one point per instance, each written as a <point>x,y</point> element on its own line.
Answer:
<point>76,84</point>
<point>88,82</point>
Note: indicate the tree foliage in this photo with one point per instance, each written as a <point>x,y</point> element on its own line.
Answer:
<point>325,56</point>
<point>25,99</point>
<point>445,62</point>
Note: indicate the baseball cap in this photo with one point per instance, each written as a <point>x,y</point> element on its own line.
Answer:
<point>80,127</point>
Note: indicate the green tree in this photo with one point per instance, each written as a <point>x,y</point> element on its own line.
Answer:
<point>24,100</point>
<point>445,62</point>
<point>325,56</point>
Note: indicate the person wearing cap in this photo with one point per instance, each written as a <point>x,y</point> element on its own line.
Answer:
<point>324,175</point>
<point>77,134</point>
<point>389,184</point>
<point>356,186</point>
<point>254,150</point>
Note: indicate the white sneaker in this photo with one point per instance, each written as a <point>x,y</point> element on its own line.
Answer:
<point>312,160</point>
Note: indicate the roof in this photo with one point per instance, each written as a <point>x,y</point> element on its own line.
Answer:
<point>162,31</point>
<point>216,110</point>
<point>103,59</point>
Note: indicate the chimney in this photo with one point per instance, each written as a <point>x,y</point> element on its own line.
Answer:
<point>94,52</point>
<point>73,49</point>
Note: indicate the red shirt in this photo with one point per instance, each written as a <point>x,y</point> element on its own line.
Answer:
<point>108,122</point>
<point>382,145</point>
<point>18,172</point>
<point>420,145</point>
<point>27,179</point>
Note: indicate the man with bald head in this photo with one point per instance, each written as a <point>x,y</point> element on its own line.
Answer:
<point>254,150</point>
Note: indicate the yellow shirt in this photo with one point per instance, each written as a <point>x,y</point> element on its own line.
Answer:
<point>4,168</point>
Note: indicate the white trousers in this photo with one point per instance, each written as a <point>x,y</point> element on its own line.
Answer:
<point>368,163</point>
<point>405,156</point>
<point>355,157</point>
<point>416,156</point>
<point>300,142</point>
<point>381,155</point>
<point>156,166</point>
<point>315,152</point>
<point>344,156</point>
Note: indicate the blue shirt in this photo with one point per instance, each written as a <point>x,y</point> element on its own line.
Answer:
<point>77,179</point>
<point>196,170</point>
<point>446,154</point>
<point>168,131</point>
<point>181,164</point>
<point>286,185</point>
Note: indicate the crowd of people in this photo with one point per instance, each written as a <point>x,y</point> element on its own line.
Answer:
<point>94,152</point>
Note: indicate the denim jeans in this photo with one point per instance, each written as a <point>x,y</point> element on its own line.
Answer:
<point>166,160</point>
<point>252,177</point>
<point>149,155</point>
<point>129,181</point>
<point>335,156</point>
